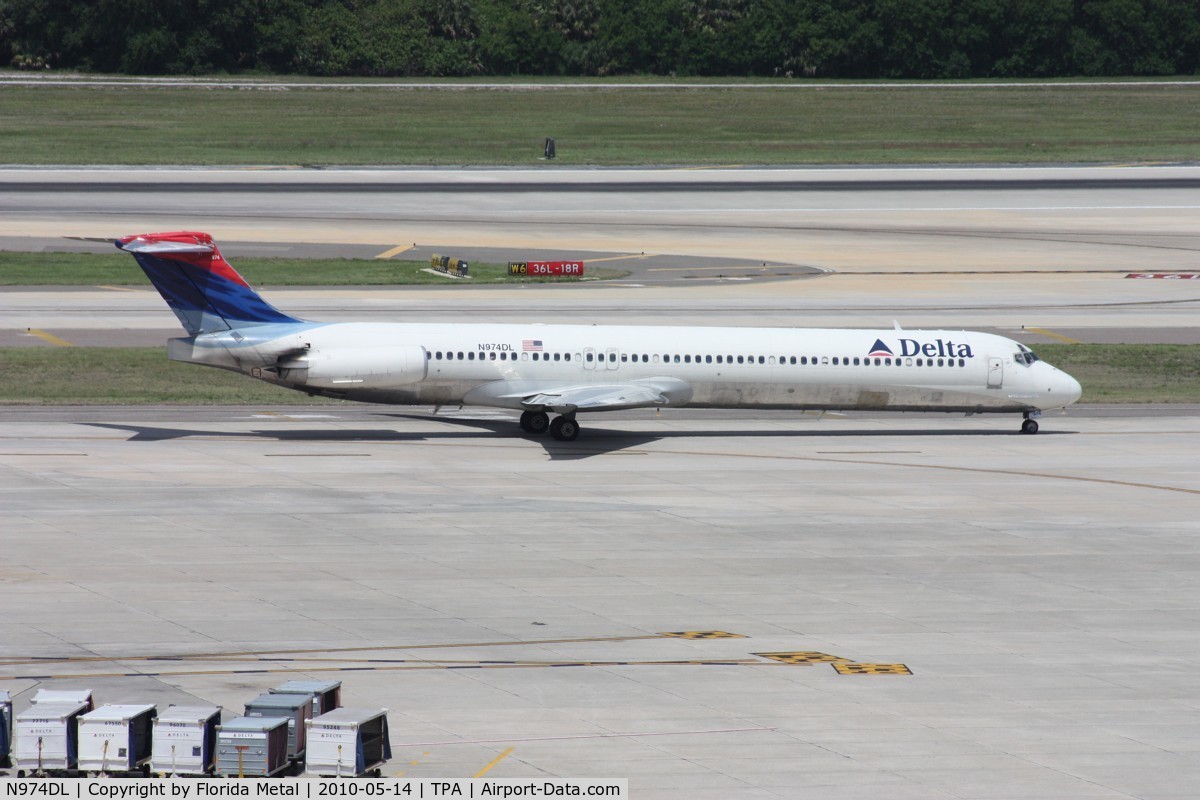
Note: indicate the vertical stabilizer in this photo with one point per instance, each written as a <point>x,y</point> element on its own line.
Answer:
<point>200,286</point>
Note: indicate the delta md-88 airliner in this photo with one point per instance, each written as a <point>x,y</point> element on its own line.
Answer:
<point>564,370</point>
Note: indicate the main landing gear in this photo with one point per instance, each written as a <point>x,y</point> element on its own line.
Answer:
<point>1029,426</point>
<point>563,428</point>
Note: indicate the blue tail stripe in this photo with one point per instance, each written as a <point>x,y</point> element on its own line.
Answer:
<point>204,301</point>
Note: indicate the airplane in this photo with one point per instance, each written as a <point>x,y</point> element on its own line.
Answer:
<point>565,370</point>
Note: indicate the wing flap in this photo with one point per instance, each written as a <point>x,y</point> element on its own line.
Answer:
<point>610,396</point>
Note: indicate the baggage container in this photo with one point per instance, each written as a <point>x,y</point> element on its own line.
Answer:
<point>252,747</point>
<point>116,738</point>
<point>327,695</point>
<point>296,707</point>
<point>5,728</point>
<point>348,742</point>
<point>46,737</point>
<point>185,741</point>
<point>64,696</point>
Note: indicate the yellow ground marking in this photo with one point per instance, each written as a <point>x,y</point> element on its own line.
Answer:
<point>804,657</point>
<point>48,337</point>
<point>120,289</point>
<point>488,767</point>
<point>872,669</point>
<point>703,635</point>
<point>638,256</point>
<point>395,251</point>
<point>1052,335</point>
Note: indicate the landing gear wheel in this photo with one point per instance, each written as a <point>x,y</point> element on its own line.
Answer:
<point>1029,426</point>
<point>564,429</point>
<point>535,422</point>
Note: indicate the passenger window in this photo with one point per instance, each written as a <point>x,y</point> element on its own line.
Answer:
<point>471,356</point>
<point>887,362</point>
<point>941,363</point>
<point>719,361</point>
<point>804,361</point>
<point>589,357</point>
<point>492,356</point>
<point>624,358</point>
<point>792,360</point>
<point>856,362</point>
<point>835,361</point>
<point>962,362</point>
<point>920,363</point>
<point>676,359</point>
<point>740,359</point>
<point>825,360</point>
<point>656,358</point>
<point>687,359</point>
<point>567,356</point>
<point>708,359</point>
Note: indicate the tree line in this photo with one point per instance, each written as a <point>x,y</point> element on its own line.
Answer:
<point>772,38</point>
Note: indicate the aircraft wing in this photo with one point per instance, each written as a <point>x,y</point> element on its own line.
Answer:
<point>609,396</point>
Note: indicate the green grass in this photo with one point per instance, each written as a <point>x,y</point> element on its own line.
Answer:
<point>1130,373</point>
<point>125,376</point>
<point>84,269</point>
<point>455,126</point>
<point>131,375</point>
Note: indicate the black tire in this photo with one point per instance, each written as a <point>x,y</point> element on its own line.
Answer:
<point>1029,426</point>
<point>535,422</point>
<point>564,429</point>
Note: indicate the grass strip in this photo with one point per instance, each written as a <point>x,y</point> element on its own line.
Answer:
<point>454,125</point>
<point>1110,373</point>
<point>1130,373</point>
<point>86,269</point>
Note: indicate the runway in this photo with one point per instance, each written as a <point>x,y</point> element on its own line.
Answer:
<point>712,604</point>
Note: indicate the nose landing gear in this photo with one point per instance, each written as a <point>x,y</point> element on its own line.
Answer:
<point>1029,426</point>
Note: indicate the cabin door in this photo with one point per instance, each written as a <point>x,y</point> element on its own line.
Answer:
<point>995,373</point>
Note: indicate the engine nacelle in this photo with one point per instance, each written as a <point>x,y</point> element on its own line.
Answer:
<point>356,367</point>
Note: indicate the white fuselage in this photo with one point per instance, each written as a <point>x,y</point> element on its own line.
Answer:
<point>505,364</point>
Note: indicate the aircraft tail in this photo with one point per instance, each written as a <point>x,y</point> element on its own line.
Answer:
<point>200,286</point>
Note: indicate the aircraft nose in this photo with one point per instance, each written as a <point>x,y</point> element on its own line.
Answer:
<point>1066,389</point>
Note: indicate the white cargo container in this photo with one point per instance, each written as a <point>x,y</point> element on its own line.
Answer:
<point>348,742</point>
<point>327,695</point>
<point>296,707</point>
<point>116,738</point>
<point>185,741</point>
<point>47,737</point>
<point>64,696</point>
<point>254,747</point>
<point>5,727</point>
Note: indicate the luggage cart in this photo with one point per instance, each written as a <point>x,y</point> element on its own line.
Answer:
<point>252,747</point>
<point>5,728</point>
<point>185,741</point>
<point>296,707</point>
<point>348,743</point>
<point>327,695</point>
<point>46,738</point>
<point>115,739</point>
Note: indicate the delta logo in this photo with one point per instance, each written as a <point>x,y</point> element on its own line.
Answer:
<point>938,348</point>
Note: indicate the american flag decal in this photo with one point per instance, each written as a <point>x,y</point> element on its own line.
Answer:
<point>531,345</point>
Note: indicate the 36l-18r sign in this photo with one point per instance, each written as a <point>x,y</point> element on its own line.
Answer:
<point>545,268</point>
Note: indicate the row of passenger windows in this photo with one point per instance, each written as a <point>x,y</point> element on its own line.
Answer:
<point>687,358</point>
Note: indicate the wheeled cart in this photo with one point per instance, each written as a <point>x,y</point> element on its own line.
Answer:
<point>47,737</point>
<point>348,742</point>
<point>252,747</point>
<point>327,695</point>
<point>116,739</point>
<point>185,741</point>
<point>296,707</point>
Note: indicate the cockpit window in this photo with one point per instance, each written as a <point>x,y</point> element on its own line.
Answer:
<point>1026,357</point>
